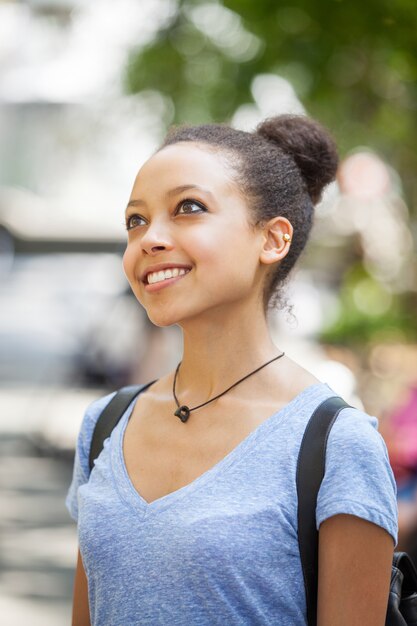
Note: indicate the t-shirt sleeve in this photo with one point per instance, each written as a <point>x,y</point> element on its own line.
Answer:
<point>358,477</point>
<point>81,469</point>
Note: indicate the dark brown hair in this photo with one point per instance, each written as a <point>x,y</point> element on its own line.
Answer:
<point>281,169</point>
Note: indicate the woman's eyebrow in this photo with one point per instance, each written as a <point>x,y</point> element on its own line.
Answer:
<point>181,188</point>
<point>135,203</point>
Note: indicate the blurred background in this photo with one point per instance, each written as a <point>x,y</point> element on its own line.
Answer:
<point>87,91</point>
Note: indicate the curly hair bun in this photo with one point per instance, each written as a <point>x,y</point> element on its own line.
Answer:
<point>309,144</point>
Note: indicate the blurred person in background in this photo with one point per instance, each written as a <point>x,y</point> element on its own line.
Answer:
<point>400,434</point>
<point>190,512</point>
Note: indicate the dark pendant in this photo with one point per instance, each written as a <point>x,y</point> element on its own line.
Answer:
<point>183,412</point>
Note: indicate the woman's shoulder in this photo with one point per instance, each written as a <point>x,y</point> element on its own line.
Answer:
<point>88,424</point>
<point>354,425</point>
<point>303,388</point>
<point>94,410</point>
<point>153,391</point>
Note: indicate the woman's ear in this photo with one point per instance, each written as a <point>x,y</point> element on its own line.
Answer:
<point>277,235</point>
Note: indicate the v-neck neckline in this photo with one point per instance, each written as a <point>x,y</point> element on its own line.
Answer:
<point>130,494</point>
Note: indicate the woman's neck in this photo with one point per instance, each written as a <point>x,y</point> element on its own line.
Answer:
<point>217,352</point>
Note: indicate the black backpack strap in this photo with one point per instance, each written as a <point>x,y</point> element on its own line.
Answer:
<point>310,472</point>
<point>110,416</point>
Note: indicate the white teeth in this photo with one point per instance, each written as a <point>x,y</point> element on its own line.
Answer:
<point>156,277</point>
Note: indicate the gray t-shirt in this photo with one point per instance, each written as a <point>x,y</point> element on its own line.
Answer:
<point>223,549</point>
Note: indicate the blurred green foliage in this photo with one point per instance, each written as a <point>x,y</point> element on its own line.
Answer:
<point>353,65</point>
<point>370,312</point>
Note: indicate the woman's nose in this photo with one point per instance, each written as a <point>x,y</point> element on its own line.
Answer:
<point>156,240</point>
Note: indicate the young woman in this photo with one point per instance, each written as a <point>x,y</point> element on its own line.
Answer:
<point>190,513</point>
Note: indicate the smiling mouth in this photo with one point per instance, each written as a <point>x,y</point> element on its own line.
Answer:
<point>158,277</point>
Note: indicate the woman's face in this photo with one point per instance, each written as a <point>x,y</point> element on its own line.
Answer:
<point>191,250</point>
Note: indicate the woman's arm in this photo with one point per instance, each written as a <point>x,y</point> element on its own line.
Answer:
<point>355,558</point>
<point>80,607</point>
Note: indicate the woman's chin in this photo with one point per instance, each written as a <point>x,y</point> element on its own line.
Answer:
<point>163,318</point>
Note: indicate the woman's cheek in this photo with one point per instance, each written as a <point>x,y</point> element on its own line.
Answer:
<point>129,266</point>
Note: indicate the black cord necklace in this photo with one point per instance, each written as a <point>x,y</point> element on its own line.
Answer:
<point>183,411</point>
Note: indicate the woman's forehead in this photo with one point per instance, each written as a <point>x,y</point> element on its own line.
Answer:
<point>187,163</point>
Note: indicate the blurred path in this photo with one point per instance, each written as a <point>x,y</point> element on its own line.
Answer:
<point>38,539</point>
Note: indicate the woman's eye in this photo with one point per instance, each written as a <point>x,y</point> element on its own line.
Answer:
<point>189,206</point>
<point>133,221</point>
